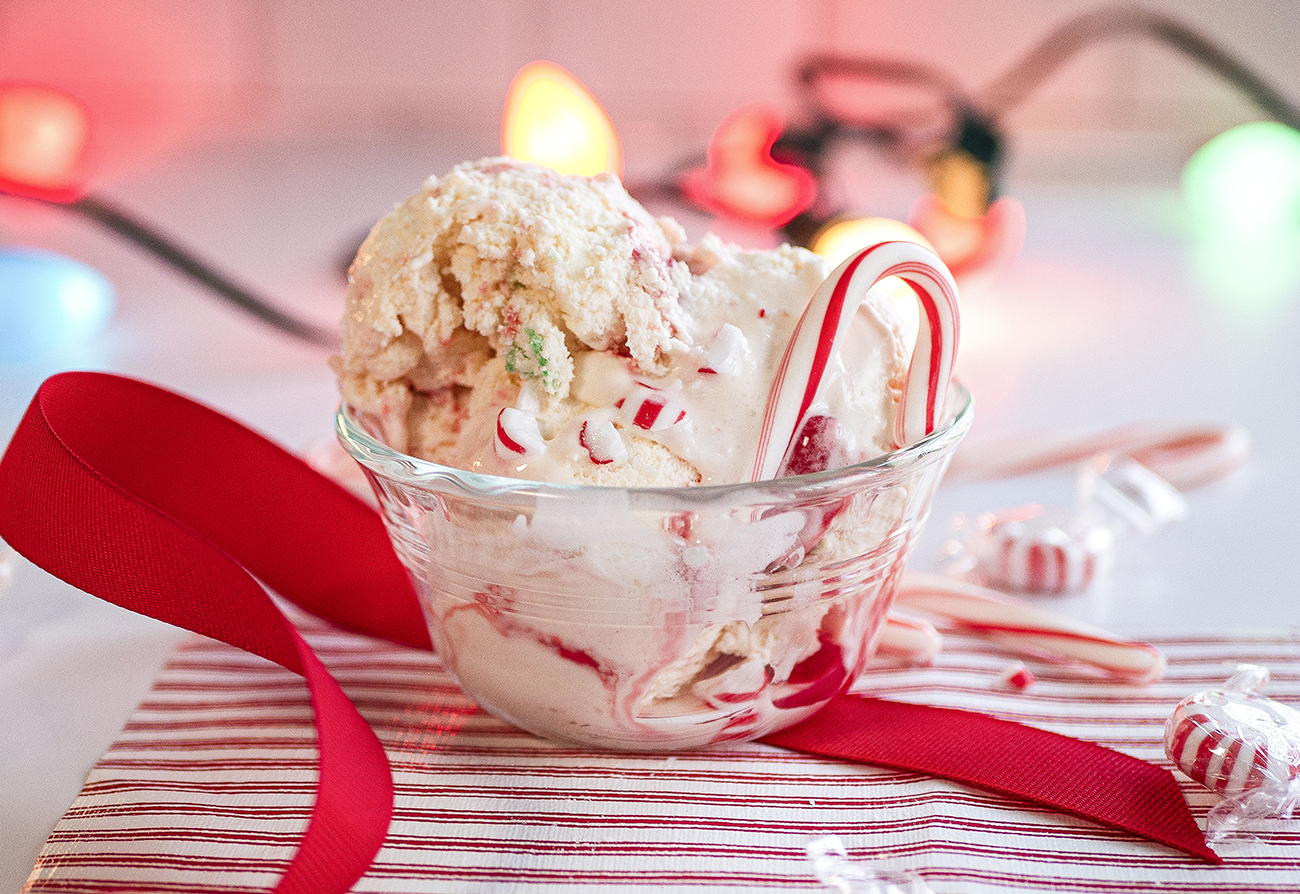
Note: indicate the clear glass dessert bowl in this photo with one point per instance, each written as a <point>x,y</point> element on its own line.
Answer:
<point>656,618</point>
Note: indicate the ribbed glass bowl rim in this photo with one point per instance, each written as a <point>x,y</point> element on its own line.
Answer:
<point>412,471</point>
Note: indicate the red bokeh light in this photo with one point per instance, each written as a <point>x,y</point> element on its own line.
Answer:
<point>43,138</point>
<point>145,74</point>
<point>742,180</point>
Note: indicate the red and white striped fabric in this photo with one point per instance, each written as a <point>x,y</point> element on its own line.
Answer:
<point>209,784</point>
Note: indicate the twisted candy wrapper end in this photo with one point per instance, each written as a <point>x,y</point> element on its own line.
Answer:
<point>1249,815</point>
<point>835,870</point>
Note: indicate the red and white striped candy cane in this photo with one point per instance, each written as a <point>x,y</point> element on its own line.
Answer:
<point>824,323</point>
<point>1029,629</point>
<point>1186,456</point>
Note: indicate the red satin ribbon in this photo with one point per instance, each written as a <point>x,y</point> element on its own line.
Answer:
<point>160,505</point>
<point>1082,778</point>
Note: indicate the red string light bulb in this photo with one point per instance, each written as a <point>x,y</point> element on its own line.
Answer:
<point>43,138</point>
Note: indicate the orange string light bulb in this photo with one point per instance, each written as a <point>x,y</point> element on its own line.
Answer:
<point>552,119</point>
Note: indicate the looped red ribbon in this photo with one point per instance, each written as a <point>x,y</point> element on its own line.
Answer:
<point>163,506</point>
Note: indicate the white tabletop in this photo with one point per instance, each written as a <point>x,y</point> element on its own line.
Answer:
<point>1103,321</point>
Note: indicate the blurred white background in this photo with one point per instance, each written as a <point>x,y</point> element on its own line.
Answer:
<point>168,75</point>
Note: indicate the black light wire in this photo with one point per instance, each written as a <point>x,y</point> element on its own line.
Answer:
<point>1078,33</point>
<point>190,264</point>
<point>976,118</point>
<point>187,262</point>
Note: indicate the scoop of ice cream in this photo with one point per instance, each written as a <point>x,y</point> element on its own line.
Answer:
<point>510,320</point>
<point>500,258</point>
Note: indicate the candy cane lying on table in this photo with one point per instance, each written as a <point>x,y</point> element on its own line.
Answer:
<point>1187,456</point>
<point>908,640</point>
<point>1028,628</point>
<point>824,323</point>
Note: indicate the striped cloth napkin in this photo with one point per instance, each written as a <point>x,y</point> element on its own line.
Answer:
<point>209,785</point>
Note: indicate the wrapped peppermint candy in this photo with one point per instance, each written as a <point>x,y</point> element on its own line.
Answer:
<point>1130,482</point>
<point>1037,549</point>
<point>1242,744</point>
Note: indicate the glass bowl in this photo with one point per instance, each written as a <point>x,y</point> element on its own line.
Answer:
<point>655,618</point>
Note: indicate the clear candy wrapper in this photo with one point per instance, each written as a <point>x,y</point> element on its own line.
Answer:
<point>8,562</point>
<point>1244,745</point>
<point>1130,498</point>
<point>1037,549</point>
<point>834,869</point>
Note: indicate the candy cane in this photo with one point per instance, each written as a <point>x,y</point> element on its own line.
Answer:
<point>824,323</point>
<point>1030,628</point>
<point>908,640</point>
<point>1185,456</point>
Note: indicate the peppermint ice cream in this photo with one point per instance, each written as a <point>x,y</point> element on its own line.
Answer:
<point>509,321</point>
